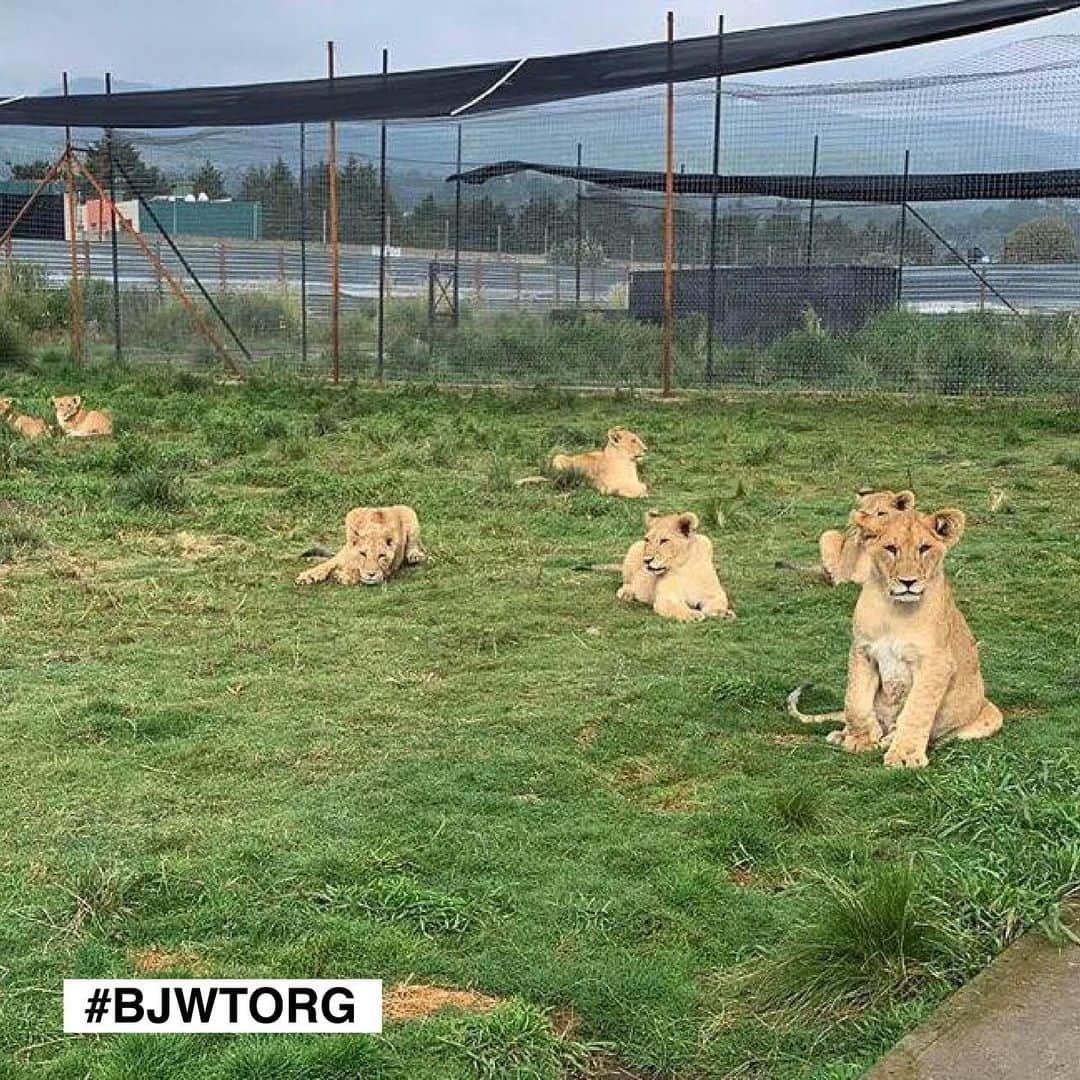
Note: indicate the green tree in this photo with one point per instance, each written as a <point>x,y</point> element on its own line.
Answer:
<point>1044,240</point>
<point>133,175</point>
<point>209,181</point>
<point>275,189</point>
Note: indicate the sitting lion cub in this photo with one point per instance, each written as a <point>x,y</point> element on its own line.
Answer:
<point>613,470</point>
<point>78,422</point>
<point>378,540</point>
<point>672,570</point>
<point>29,427</point>
<point>843,557</point>
<point>913,671</point>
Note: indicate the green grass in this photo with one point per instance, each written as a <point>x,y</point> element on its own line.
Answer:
<point>489,773</point>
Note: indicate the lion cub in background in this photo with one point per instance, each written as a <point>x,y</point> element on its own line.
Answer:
<point>613,470</point>
<point>672,570</point>
<point>843,552</point>
<point>77,422</point>
<point>378,541</point>
<point>29,427</point>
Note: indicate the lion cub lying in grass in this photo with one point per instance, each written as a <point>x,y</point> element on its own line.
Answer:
<point>843,555</point>
<point>613,470</point>
<point>77,422</point>
<point>672,570</point>
<point>29,427</point>
<point>378,540</point>
<point>913,670</point>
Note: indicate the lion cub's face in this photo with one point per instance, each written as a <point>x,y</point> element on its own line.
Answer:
<point>626,442</point>
<point>6,405</point>
<point>907,549</point>
<point>372,550</point>
<point>668,539</point>
<point>67,406</point>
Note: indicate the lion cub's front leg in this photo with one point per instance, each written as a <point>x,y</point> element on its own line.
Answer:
<point>414,552</point>
<point>907,750</point>
<point>321,572</point>
<point>862,731</point>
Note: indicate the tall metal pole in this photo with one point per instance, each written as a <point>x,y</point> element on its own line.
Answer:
<point>710,329</point>
<point>303,245</point>
<point>903,232</point>
<point>335,265</point>
<point>74,291</point>
<point>382,225</point>
<point>457,229</point>
<point>577,238</point>
<point>667,347</point>
<point>813,206</point>
<point>112,234</point>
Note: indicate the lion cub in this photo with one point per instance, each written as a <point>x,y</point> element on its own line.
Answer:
<point>843,557</point>
<point>77,422</point>
<point>378,540</point>
<point>613,470</point>
<point>672,570</point>
<point>29,427</point>
<point>913,670</point>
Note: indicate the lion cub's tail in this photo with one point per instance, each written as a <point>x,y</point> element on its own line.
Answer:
<point>525,480</point>
<point>810,718</point>
<point>317,552</point>
<point>809,569</point>
<point>600,568</point>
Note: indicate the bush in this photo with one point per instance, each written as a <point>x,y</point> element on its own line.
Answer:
<point>152,488</point>
<point>14,347</point>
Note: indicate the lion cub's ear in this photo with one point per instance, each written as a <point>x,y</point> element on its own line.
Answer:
<point>614,434</point>
<point>687,523</point>
<point>651,516</point>
<point>948,525</point>
<point>904,500</point>
<point>869,524</point>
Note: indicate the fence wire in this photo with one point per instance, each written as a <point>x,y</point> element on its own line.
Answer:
<point>533,279</point>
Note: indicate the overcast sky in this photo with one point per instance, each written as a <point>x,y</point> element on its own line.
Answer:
<point>198,42</point>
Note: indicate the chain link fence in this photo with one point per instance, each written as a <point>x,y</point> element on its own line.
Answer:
<point>534,278</point>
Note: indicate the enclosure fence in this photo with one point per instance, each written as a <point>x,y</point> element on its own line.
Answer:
<point>532,278</point>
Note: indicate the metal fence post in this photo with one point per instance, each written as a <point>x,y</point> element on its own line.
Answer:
<point>813,206</point>
<point>667,357</point>
<point>335,264</point>
<point>577,238</point>
<point>710,329</point>
<point>457,233</point>
<point>903,232</point>
<point>303,249</point>
<point>380,363</point>
<point>114,240</point>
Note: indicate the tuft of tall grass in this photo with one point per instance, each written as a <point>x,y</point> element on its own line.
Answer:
<point>152,488</point>
<point>862,946</point>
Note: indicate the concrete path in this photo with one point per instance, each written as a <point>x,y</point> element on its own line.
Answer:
<point>1018,1020</point>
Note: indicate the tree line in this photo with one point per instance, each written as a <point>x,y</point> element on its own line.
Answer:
<point>563,227</point>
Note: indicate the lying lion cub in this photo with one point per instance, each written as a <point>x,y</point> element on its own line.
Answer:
<point>913,671</point>
<point>672,570</point>
<point>843,556</point>
<point>29,427</point>
<point>378,540</point>
<point>78,422</point>
<point>613,470</point>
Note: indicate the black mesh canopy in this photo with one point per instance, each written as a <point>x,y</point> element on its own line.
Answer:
<point>466,90</point>
<point>867,188</point>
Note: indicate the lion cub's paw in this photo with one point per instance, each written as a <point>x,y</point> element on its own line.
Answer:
<point>859,742</point>
<point>308,577</point>
<point>625,593</point>
<point>899,756</point>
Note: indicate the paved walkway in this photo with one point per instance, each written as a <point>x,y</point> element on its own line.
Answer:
<point>1018,1020</point>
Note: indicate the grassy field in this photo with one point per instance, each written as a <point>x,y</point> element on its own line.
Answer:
<point>490,774</point>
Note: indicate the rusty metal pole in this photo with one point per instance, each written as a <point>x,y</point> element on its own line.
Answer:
<point>74,291</point>
<point>335,264</point>
<point>667,346</point>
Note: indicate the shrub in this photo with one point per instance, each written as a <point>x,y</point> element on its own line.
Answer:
<point>152,488</point>
<point>14,347</point>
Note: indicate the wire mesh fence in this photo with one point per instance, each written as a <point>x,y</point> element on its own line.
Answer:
<point>534,278</point>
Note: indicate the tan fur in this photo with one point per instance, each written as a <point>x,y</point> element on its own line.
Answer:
<point>672,570</point>
<point>378,541</point>
<point>77,422</point>
<point>613,470</point>
<point>843,557</point>
<point>29,427</point>
<point>913,671</point>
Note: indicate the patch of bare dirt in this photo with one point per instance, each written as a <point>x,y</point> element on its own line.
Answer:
<point>153,960</point>
<point>417,1001</point>
<point>195,546</point>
